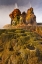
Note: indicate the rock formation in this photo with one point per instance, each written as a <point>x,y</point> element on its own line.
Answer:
<point>24,18</point>
<point>30,18</point>
<point>15,16</point>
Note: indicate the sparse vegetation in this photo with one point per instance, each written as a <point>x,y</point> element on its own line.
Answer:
<point>20,47</point>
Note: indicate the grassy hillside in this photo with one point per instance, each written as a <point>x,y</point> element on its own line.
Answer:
<point>18,46</point>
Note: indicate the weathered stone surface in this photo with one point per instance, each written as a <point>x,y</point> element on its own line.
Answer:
<point>28,18</point>
<point>31,18</point>
<point>15,16</point>
<point>15,13</point>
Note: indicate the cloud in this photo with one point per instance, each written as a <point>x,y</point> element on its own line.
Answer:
<point>20,2</point>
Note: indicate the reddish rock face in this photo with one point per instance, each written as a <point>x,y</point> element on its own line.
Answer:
<point>11,15</point>
<point>16,12</point>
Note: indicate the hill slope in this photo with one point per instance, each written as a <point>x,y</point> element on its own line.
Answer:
<point>18,46</point>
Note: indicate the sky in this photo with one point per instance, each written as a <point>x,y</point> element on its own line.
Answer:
<point>7,6</point>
